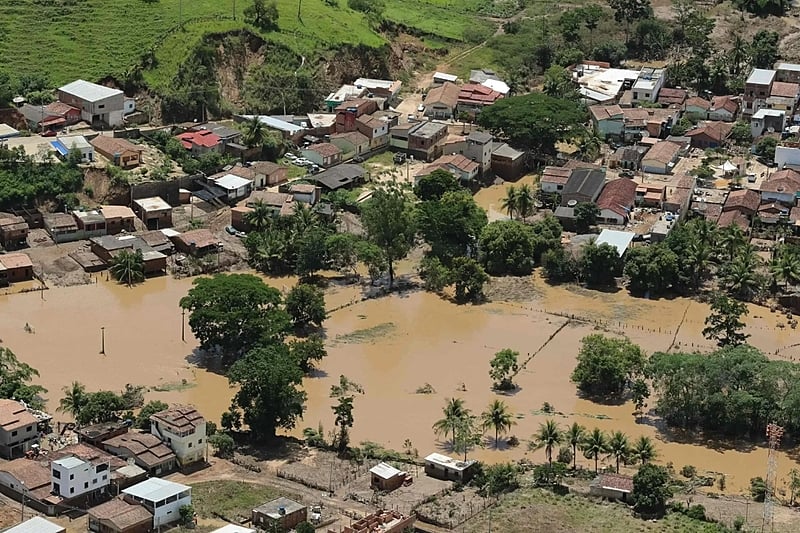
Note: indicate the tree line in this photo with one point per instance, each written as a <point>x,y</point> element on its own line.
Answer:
<point>23,180</point>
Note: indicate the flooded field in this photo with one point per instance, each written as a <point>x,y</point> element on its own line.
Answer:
<point>392,347</point>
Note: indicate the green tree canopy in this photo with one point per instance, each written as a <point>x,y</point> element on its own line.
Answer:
<point>651,269</point>
<point>507,247</point>
<point>149,409</point>
<point>306,305</point>
<point>504,366</point>
<point>128,267</point>
<point>15,378</point>
<point>388,218</point>
<point>764,49</point>
<point>586,214</point>
<point>308,351</point>
<point>263,14</point>
<point>451,225</point>
<point>651,490</point>
<point>599,265</point>
<point>434,185</point>
<point>469,277</point>
<point>606,365</point>
<point>724,325</point>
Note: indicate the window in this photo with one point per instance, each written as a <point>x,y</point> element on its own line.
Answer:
<point>71,476</point>
<point>56,474</point>
<point>190,445</point>
<point>200,441</point>
<point>29,428</point>
<point>105,477</point>
<point>72,490</point>
<point>13,433</point>
<point>56,488</point>
<point>94,481</point>
<point>101,106</point>
<point>86,485</point>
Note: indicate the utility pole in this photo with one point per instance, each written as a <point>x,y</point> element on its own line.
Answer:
<point>22,508</point>
<point>234,9</point>
<point>103,340</point>
<point>774,434</point>
<point>183,325</point>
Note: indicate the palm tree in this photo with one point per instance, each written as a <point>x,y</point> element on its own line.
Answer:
<point>497,416</point>
<point>740,276</point>
<point>510,201</point>
<point>260,217</point>
<point>128,267</point>
<point>73,400</point>
<point>255,133</point>
<point>618,447</point>
<point>698,257</point>
<point>786,268</point>
<point>524,201</point>
<point>303,218</point>
<point>548,437</point>
<point>268,251</point>
<point>590,146</point>
<point>575,436</point>
<point>643,450</point>
<point>731,239</point>
<point>738,53</point>
<point>595,444</point>
<point>454,411</point>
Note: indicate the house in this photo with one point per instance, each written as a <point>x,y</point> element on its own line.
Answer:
<point>672,97</point>
<point>449,469</point>
<point>660,158</point>
<point>61,227</point>
<point>376,129</point>
<point>734,217</point>
<point>53,115</point>
<point>184,429</point>
<point>200,142</point>
<point>650,195</point>
<point>386,478</point>
<point>479,149</point>
<point>288,130</point>
<point>109,246</point>
<point>621,240</point>
<point>757,89</point>
<point>342,176</point>
<point>398,135</point>
<point>120,516</point>
<point>724,108</point>
<point>347,113</point>
<point>65,145</point>
<point>305,193</point>
<point>627,157</point>
<point>90,223</point>
<point>482,75</point>
<point>425,138</point>
<point>281,514</point>
<point>383,521</point>
<point>118,218</point>
<point>612,487</point>
<point>235,187</point>
<point>783,96</point>
<point>154,212</point>
<point>98,104</point>
<point>607,120</point>
<point>598,83</point>
<point>160,497</point>
<point>226,135</point>
<point>351,143</point>
<point>18,429</point>
<point>782,186</point>
<point>146,450</point>
<point>73,477</point>
<point>95,434</point>
<point>507,163</point>
<point>696,108</point>
<point>462,168</point>
<point>323,154</point>
<point>553,179</point>
<point>583,185</point>
<point>268,173</point>
<point>787,155</point>
<point>678,201</point>
<point>746,201</point>
<point>342,94</point>
<point>709,134</point>
<point>387,89</point>
<point>648,85</point>
<point>773,213</point>
<point>441,102</point>
<point>158,241</point>
<point>616,201</point>
<point>472,97</point>
<point>278,203</point>
<point>440,78</point>
<point>787,72</point>
<point>37,524</point>
<point>14,268</point>
<point>767,120</point>
<point>120,152</point>
<point>13,231</point>
<point>321,124</point>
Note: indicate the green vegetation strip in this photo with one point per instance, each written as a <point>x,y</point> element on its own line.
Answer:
<point>366,335</point>
<point>231,499</point>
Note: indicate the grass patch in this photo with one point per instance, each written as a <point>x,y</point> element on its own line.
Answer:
<point>482,57</point>
<point>361,336</point>
<point>231,499</point>
<point>181,385</point>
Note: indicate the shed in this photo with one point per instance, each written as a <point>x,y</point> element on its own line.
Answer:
<point>385,477</point>
<point>341,176</point>
<point>612,486</point>
<point>282,513</point>
<point>620,240</point>
<point>444,467</point>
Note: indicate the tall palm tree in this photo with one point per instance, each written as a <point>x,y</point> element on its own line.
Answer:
<point>497,416</point>
<point>643,450</point>
<point>739,276</point>
<point>786,268</point>
<point>618,447</point>
<point>590,146</point>
<point>548,437</point>
<point>524,201</point>
<point>260,217</point>
<point>268,251</point>
<point>698,258</point>
<point>303,218</point>
<point>595,445</point>
<point>453,411</point>
<point>73,400</point>
<point>255,133</point>
<point>738,54</point>
<point>128,267</point>
<point>509,203</point>
<point>575,435</point>
<point>731,240</point>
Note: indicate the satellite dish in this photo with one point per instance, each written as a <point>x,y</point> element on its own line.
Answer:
<point>572,203</point>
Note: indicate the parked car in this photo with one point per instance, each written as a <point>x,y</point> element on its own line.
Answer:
<point>49,133</point>
<point>421,108</point>
<point>626,174</point>
<point>399,158</point>
<point>231,230</point>
<point>358,159</point>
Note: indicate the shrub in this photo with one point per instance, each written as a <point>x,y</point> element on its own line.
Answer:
<point>688,471</point>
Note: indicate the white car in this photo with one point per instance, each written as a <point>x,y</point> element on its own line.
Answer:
<point>421,108</point>
<point>290,156</point>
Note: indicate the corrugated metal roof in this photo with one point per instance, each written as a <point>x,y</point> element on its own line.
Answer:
<point>155,489</point>
<point>618,239</point>
<point>91,92</point>
<point>37,524</point>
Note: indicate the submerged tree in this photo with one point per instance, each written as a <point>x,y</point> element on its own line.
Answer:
<point>497,417</point>
<point>128,267</point>
<point>454,411</point>
<point>724,325</point>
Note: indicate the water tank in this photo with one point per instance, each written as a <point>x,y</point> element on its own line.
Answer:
<point>572,203</point>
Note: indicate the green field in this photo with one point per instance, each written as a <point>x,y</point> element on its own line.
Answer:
<point>231,499</point>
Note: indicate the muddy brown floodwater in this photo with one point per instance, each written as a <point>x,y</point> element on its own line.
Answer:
<point>392,346</point>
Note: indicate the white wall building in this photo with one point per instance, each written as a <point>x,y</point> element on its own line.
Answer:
<point>184,430</point>
<point>71,477</point>
<point>161,497</point>
<point>787,156</point>
<point>97,103</point>
<point>648,84</point>
<point>236,186</point>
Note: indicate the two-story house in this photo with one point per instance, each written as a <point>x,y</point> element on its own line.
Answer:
<point>424,140</point>
<point>757,89</point>
<point>184,431</point>
<point>479,149</point>
<point>18,429</point>
<point>72,477</point>
<point>375,128</point>
<point>161,497</point>
<point>97,103</point>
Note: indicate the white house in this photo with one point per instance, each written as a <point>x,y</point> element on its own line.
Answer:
<point>71,477</point>
<point>648,84</point>
<point>184,430</point>
<point>161,497</point>
<point>235,186</point>
<point>97,103</point>
<point>37,524</point>
<point>787,156</point>
<point>65,145</point>
<point>766,120</point>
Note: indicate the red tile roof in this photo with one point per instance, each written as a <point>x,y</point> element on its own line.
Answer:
<point>785,90</point>
<point>746,199</point>
<point>618,195</point>
<point>114,145</point>
<point>121,514</point>
<point>605,112</point>
<point>787,180</point>
<point>205,138</point>
<point>557,175</point>
<point>446,95</point>
<point>671,96</point>
<point>663,152</point>
<point>475,93</point>
<point>59,108</point>
<point>696,101</point>
<point>715,130</point>
<point>726,102</point>
<point>614,481</point>
<point>729,218</point>
<point>325,149</point>
<point>459,161</point>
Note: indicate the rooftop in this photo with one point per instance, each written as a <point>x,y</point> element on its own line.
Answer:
<point>788,66</point>
<point>272,508</point>
<point>37,524</point>
<point>648,78</point>
<point>114,145</point>
<point>145,446</point>
<point>742,199</point>
<point>764,112</point>
<point>60,221</point>
<point>117,211</point>
<point>585,181</point>
<point>89,217</point>
<point>324,149</point>
<point>204,138</point>
<point>121,513</point>
<point>111,243</point>
<point>760,76</point>
<point>663,152</point>
<point>14,415</point>
<point>155,489</point>
<point>233,528</point>
<point>605,112</point>
<point>181,417</point>
<point>345,92</point>
<point>557,175</point>
<point>448,462</point>
<point>614,482</point>
<point>444,76</point>
<point>480,137</point>
<point>154,203</point>
<point>733,217</point>
<point>696,101</point>
<point>339,176</point>
<point>475,93</point>
<point>69,462</point>
<point>232,182</point>
<point>427,130</point>
<point>276,124</point>
<point>370,83</point>
<point>602,84</point>
<point>385,471</point>
<point>618,196</point>
<point>785,90</point>
<point>16,260</point>
<point>91,92</point>
<point>618,239</point>
<point>446,95</point>
<point>715,130</point>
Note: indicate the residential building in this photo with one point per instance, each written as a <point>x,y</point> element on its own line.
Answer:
<point>280,514</point>
<point>382,521</point>
<point>724,108</point>
<point>107,247</point>
<point>37,524</point>
<point>616,201</point>
<point>598,83</point>
<point>51,116</point>
<point>343,94</point>
<point>98,104</point>
<point>95,434</point>
<point>787,72</point>
<point>288,130</point>
<point>482,75</point>
<point>161,497</point>
<point>154,212</point>
<point>398,135</point>
<point>342,176</point>
<point>553,179</point>
<point>734,217</point>
<point>479,149</point>
<point>767,121</point>
<point>745,201</point>
<point>473,97</point>
<point>13,231</point>
<point>200,142</point>
<point>583,185</point>
<point>507,162</point>
<point>773,213</point>
<point>440,78</point>
<point>782,186</point>
<point>73,477</point>
<point>696,108</point>
<point>709,134</point>
<point>158,241</point>
<point>441,102</point>
<point>118,218</point>
<point>648,85</point>
<point>347,113</point>
<point>375,128</point>
<point>387,89</point>
<point>90,223</point>
<point>627,157</point>
<point>351,143</point>
<point>184,430</point>
<point>678,201</point>
<point>305,193</point>
<point>459,166</point>
<point>18,429</point>
<point>226,135</point>
<point>323,154</point>
<point>424,140</point>
<point>661,158</point>
<point>386,478</point>
<point>321,124</point>
<point>787,155</point>
<point>15,267</point>
<point>672,97</point>
<point>197,242</point>
<point>147,451</point>
<point>653,122</point>
<point>443,467</point>
<point>278,203</point>
<point>784,96</point>
<point>120,152</point>
<point>61,227</point>
<point>268,173</point>
<point>235,187</point>
<point>757,89</point>
<point>607,120</point>
<point>621,240</point>
<point>650,194</point>
<point>120,516</point>
<point>65,145</point>
<point>612,487</point>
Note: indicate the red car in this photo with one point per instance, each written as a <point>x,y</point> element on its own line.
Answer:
<point>49,133</point>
